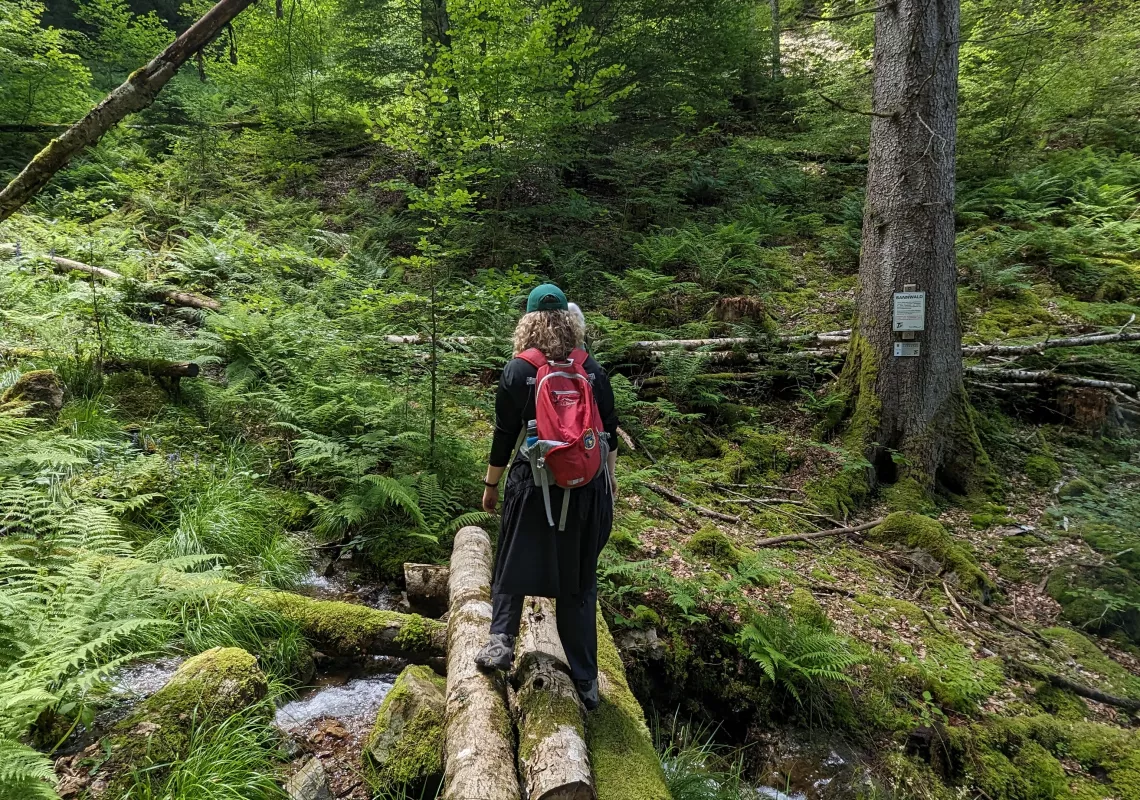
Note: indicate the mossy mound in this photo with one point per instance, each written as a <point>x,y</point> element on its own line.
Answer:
<point>405,747</point>
<point>926,534</point>
<point>136,395</point>
<point>1019,758</point>
<point>712,545</point>
<point>1043,470</point>
<point>209,687</point>
<point>1078,487</point>
<point>41,390</point>
<point>908,495</point>
<point>1097,598</point>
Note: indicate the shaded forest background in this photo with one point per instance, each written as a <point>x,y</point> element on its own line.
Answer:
<point>340,172</point>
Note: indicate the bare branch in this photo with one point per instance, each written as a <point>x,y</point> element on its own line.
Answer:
<point>841,107</point>
<point>849,14</point>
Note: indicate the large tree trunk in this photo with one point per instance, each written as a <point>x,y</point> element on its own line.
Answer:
<point>553,760</point>
<point>479,753</point>
<point>135,94</point>
<point>626,767</point>
<point>913,405</point>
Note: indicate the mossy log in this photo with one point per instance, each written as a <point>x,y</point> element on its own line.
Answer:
<point>479,753</point>
<point>426,585</point>
<point>155,367</point>
<point>134,94</point>
<point>553,760</point>
<point>625,764</point>
<point>405,747</point>
<point>342,630</point>
<point>211,686</point>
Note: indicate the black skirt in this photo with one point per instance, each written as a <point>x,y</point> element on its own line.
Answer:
<point>535,558</point>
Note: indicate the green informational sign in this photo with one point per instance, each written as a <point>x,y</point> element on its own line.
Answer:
<point>910,311</point>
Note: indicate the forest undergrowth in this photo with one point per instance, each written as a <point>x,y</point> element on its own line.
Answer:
<point>946,651</point>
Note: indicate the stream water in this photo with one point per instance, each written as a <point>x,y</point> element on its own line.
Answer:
<point>798,768</point>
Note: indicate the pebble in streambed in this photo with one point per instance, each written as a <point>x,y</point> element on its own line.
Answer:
<point>359,698</point>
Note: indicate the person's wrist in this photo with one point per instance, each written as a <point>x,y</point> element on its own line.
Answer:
<point>491,485</point>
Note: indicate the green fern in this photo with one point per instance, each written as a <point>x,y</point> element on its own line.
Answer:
<point>796,657</point>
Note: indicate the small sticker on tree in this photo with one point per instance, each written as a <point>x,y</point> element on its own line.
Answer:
<point>910,311</point>
<point>906,349</point>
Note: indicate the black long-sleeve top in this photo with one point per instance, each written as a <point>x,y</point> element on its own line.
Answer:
<point>514,404</point>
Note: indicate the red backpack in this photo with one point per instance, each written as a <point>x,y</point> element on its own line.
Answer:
<point>568,446</point>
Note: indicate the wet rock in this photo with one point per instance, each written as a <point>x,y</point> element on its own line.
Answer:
<point>42,389</point>
<point>309,782</point>
<point>406,743</point>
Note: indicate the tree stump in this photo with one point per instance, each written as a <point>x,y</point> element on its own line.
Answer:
<point>426,585</point>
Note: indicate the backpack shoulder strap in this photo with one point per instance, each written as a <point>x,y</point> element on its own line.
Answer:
<point>579,356</point>
<point>535,357</point>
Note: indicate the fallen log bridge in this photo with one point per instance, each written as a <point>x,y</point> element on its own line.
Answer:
<point>562,753</point>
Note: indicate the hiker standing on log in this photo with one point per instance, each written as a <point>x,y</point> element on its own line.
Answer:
<point>554,413</point>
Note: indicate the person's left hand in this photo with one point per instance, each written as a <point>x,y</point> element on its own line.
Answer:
<point>490,498</point>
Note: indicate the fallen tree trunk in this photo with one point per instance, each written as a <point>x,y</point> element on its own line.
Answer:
<point>479,753</point>
<point>1000,376</point>
<point>807,537</point>
<point>727,343</point>
<point>553,761</point>
<point>172,297</point>
<point>426,585</point>
<point>148,366</point>
<point>625,764</point>
<point>1048,344</point>
<point>135,94</point>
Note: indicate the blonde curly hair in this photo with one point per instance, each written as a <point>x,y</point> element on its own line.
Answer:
<point>555,333</point>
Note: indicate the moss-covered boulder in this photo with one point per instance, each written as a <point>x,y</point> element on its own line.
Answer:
<point>1097,598</point>
<point>41,390</point>
<point>405,747</point>
<point>211,686</point>
<point>1077,487</point>
<point>713,546</point>
<point>1043,470</point>
<point>923,533</point>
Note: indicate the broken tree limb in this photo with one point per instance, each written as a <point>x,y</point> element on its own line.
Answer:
<point>672,496</point>
<point>135,94</point>
<point>807,537</point>
<point>1000,376</point>
<point>1048,344</point>
<point>553,761</point>
<point>172,297</point>
<point>149,366</point>
<point>727,343</point>
<point>626,766</point>
<point>1009,623</point>
<point>479,753</point>
<point>1078,689</point>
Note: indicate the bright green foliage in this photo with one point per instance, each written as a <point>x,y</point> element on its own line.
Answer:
<point>40,80</point>
<point>797,657</point>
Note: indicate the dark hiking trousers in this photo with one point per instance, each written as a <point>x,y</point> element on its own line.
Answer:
<point>577,620</point>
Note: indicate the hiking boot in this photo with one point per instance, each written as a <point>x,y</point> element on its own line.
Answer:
<point>497,653</point>
<point>588,692</point>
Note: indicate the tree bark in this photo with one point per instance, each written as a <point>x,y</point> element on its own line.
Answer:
<point>135,94</point>
<point>774,6</point>
<point>426,585</point>
<point>479,753</point>
<point>916,406</point>
<point>553,761</point>
<point>626,766</point>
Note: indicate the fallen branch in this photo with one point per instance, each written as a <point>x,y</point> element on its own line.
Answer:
<point>135,94</point>
<point>1044,377</point>
<point>154,367</point>
<point>172,297</point>
<point>1079,689</point>
<point>1009,623</point>
<point>767,501</point>
<point>1048,344</point>
<point>807,537</point>
<point>683,501</point>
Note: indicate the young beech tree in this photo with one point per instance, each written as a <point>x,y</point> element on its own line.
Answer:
<point>913,407</point>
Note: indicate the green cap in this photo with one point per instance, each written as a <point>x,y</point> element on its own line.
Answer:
<point>547,297</point>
